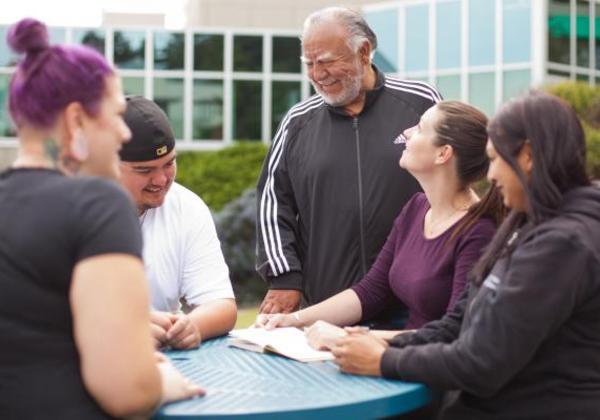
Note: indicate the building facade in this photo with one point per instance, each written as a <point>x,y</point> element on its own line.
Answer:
<point>221,84</point>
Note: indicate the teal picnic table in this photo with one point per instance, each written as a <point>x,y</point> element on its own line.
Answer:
<point>265,386</point>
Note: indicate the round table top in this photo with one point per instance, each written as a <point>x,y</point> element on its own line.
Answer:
<point>266,386</point>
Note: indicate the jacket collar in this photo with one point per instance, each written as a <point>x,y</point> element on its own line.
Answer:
<point>371,95</point>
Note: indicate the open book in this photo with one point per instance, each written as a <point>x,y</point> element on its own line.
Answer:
<point>289,342</point>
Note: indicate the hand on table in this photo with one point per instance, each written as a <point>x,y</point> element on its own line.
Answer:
<point>322,335</point>
<point>359,353</point>
<point>271,321</point>
<point>175,386</point>
<point>175,330</point>
<point>160,323</point>
<point>280,301</point>
<point>183,334</point>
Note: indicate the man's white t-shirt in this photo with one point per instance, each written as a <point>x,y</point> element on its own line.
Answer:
<point>182,254</point>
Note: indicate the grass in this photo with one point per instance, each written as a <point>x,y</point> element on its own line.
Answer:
<point>246,317</point>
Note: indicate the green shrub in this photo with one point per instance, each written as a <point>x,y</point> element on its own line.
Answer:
<point>592,139</point>
<point>221,176</point>
<point>586,102</point>
<point>580,95</point>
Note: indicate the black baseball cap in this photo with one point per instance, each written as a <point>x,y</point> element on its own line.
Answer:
<point>151,133</point>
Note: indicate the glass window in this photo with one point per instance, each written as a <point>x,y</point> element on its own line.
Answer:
<point>6,128</point>
<point>417,38</point>
<point>129,48</point>
<point>482,32</point>
<point>247,105</point>
<point>93,38</point>
<point>582,78</point>
<point>559,31</point>
<point>449,86</point>
<point>247,53</point>
<point>133,85</point>
<point>516,30</point>
<point>385,24</point>
<point>481,91</point>
<point>56,35</point>
<point>284,96</point>
<point>286,55</point>
<point>168,50</point>
<point>207,114</point>
<point>448,35</point>
<point>556,76</point>
<point>208,52</point>
<point>514,83</point>
<point>420,78</point>
<point>583,33</point>
<point>7,57</point>
<point>168,94</point>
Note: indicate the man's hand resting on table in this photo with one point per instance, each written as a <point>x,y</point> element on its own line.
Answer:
<point>175,330</point>
<point>280,301</point>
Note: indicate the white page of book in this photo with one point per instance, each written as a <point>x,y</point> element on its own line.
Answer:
<point>288,341</point>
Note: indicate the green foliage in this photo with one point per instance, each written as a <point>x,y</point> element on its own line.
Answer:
<point>586,102</point>
<point>592,138</point>
<point>221,176</point>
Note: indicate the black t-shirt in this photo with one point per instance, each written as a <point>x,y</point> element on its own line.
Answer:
<point>48,223</point>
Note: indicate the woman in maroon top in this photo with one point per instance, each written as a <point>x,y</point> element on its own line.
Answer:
<point>436,239</point>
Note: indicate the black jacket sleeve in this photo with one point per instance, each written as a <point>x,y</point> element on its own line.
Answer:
<point>509,319</point>
<point>277,258</point>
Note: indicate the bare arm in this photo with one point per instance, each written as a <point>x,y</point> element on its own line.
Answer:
<point>214,318</point>
<point>341,309</point>
<point>208,320</point>
<point>109,301</point>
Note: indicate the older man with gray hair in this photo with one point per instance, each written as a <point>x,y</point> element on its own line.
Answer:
<point>331,186</point>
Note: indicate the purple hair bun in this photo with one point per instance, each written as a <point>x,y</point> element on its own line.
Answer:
<point>28,36</point>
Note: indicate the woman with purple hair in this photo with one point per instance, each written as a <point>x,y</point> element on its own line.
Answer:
<point>74,307</point>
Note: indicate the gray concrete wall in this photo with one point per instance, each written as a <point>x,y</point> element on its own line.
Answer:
<point>272,14</point>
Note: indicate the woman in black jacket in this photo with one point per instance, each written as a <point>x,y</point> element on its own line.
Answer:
<point>524,342</point>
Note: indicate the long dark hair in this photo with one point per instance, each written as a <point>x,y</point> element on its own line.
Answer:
<point>553,131</point>
<point>463,127</point>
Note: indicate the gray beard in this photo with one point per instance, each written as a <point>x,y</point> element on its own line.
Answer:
<point>350,92</point>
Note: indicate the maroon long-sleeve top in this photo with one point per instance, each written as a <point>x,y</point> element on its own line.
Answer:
<point>427,275</point>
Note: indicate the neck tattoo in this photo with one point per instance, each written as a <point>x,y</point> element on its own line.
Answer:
<point>52,152</point>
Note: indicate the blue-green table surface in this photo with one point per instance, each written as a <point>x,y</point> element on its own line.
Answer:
<point>264,386</point>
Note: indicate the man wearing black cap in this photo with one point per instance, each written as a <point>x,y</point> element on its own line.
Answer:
<point>182,254</point>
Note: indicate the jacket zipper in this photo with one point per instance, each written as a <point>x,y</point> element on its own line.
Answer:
<point>363,258</point>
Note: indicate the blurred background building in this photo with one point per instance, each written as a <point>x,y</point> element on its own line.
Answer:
<point>228,70</point>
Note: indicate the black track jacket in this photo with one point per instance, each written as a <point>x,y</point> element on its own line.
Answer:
<point>331,187</point>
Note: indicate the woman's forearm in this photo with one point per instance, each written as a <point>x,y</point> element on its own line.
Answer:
<point>341,309</point>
